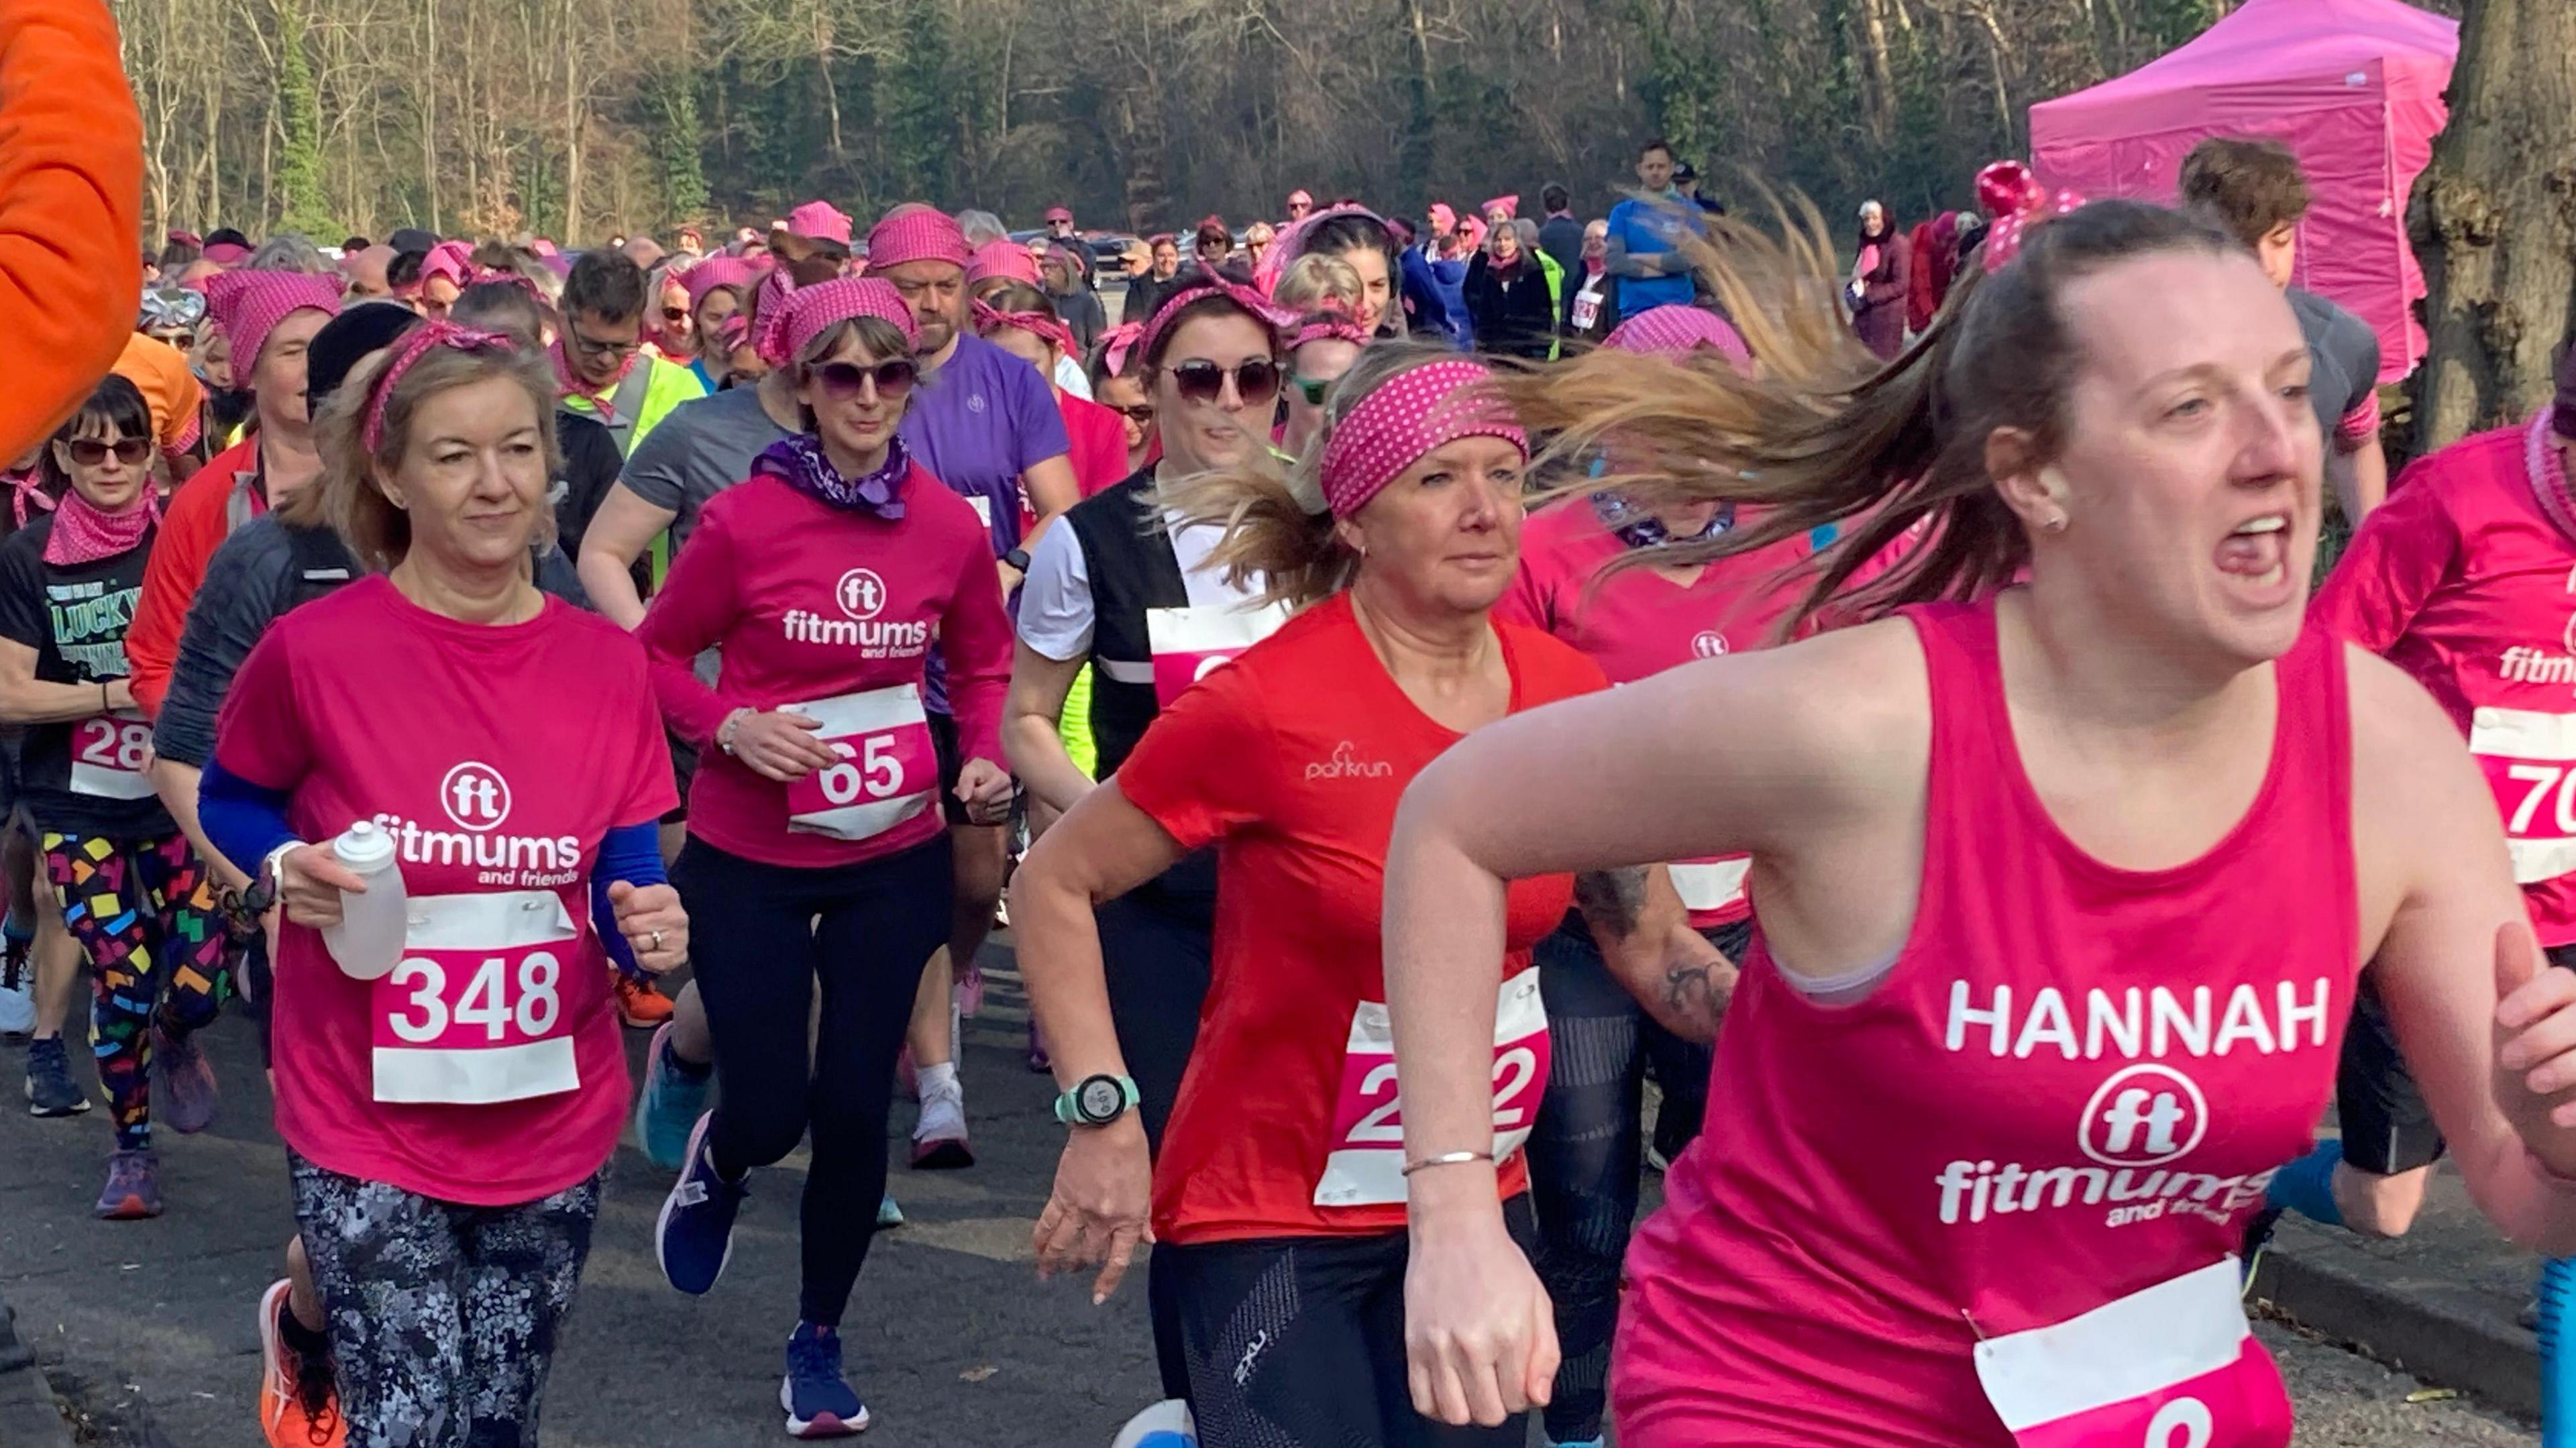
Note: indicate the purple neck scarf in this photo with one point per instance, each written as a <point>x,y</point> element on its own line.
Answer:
<point>800,464</point>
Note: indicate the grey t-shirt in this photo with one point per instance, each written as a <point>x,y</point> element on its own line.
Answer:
<point>2343,380</point>
<point>705,446</point>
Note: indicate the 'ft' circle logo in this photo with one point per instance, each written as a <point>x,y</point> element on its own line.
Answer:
<point>1709,644</point>
<point>475,795</point>
<point>2143,1116</point>
<point>860,593</point>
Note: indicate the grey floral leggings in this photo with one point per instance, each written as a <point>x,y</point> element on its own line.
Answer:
<point>442,1317</point>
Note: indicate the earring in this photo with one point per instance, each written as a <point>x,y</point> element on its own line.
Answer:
<point>2053,523</point>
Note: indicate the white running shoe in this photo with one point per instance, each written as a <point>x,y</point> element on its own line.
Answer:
<point>1167,1424</point>
<point>939,1138</point>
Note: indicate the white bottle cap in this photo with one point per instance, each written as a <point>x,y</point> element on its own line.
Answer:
<point>364,848</point>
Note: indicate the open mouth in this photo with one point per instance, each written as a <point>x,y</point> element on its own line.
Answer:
<point>2258,551</point>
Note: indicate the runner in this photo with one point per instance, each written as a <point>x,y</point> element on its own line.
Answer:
<point>1324,345</point>
<point>999,264</point>
<point>1355,236</point>
<point>1021,320</point>
<point>717,288</point>
<point>600,365</point>
<point>815,853</point>
<point>269,319</point>
<point>2460,580</point>
<point>1862,1262</point>
<point>1277,1217</point>
<point>1100,596</point>
<point>447,1194</point>
<point>40,955</point>
<point>983,425</point>
<point>133,894</point>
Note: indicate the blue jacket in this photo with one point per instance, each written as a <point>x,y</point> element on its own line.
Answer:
<point>1434,311</point>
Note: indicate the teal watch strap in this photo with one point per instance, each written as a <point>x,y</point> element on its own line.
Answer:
<point>1068,1104</point>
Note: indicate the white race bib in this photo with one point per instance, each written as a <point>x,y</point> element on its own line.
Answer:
<point>2530,761</point>
<point>2174,1366</point>
<point>109,752</point>
<point>1190,643</point>
<point>1711,884</point>
<point>474,1013</point>
<point>888,770</point>
<point>1365,1166</point>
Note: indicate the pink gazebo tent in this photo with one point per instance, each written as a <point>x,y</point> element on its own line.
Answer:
<point>2353,86</point>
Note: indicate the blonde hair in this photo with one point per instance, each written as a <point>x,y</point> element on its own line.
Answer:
<point>1314,279</point>
<point>1278,533</point>
<point>350,493</point>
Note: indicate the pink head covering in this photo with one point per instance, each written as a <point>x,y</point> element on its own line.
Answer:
<point>916,232</point>
<point>2004,238</point>
<point>545,248</point>
<point>248,305</point>
<point>1202,284</point>
<point>1392,428</point>
<point>1331,322</point>
<point>1471,230</point>
<point>225,253</point>
<point>714,272</point>
<point>2004,187</point>
<point>410,350</point>
<point>453,260</point>
<point>819,221</point>
<point>1117,343</point>
<point>1442,218</point>
<point>1676,331</point>
<point>1510,206</point>
<point>989,317</point>
<point>1292,243</point>
<point>1005,258</point>
<point>788,328</point>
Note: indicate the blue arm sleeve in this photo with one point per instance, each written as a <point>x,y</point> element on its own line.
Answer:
<point>632,853</point>
<point>243,820</point>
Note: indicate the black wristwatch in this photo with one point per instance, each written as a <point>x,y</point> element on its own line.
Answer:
<point>1096,1101</point>
<point>1018,558</point>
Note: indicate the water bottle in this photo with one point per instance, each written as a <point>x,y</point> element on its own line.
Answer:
<point>368,941</point>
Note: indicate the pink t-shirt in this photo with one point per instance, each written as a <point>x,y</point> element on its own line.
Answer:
<point>487,1069</point>
<point>2462,581</point>
<point>837,612</point>
<point>1636,622</point>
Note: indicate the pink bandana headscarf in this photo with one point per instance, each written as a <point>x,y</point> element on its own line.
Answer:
<point>1292,243</point>
<point>787,329</point>
<point>413,347</point>
<point>819,221</point>
<point>2017,202</point>
<point>1392,428</point>
<point>714,272</point>
<point>1673,330</point>
<point>1510,206</point>
<point>1331,322</point>
<point>453,260</point>
<point>1007,259</point>
<point>1204,283</point>
<point>916,232</point>
<point>988,318</point>
<point>248,305</point>
<point>1117,343</point>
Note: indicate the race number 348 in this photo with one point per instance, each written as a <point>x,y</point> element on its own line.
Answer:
<point>502,1003</point>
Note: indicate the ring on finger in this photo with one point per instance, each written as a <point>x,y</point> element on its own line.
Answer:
<point>657,940</point>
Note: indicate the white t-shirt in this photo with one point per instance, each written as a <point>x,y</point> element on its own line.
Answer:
<point>1056,609</point>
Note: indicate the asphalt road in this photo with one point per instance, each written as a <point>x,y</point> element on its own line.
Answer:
<point>147,1327</point>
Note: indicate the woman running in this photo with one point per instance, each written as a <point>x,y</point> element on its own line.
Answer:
<point>1324,345</point>
<point>817,849</point>
<point>448,1124</point>
<point>717,288</point>
<point>137,899</point>
<point>1356,237</point>
<point>2063,891</point>
<point>1277,1197</point>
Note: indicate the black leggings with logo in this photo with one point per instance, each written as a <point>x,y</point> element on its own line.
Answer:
<point>762,936</point>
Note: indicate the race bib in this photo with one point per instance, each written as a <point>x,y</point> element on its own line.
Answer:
<point>2530,760</point>
<point>1189,643</point>
<point>1365,1166</point>
<point>2174,1366</point>
<point>888,770</point>
<point>109,752</point>
<point>1710,885</point>
<point>474,1014</point>
<point>983,507</point>
<point>1587,308</point>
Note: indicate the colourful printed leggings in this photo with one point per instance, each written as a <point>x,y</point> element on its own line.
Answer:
<point>144,913</point>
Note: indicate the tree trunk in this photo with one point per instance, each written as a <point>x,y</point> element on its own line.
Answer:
<point>2495,221</point>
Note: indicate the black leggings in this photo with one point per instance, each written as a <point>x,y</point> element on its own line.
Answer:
<point>1587,1150</point>
<point>1298,1342</point>
<point>762,935</point>
<point>1155,945</point>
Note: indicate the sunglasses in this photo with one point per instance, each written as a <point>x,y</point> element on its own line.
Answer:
<point>89,452</point>
<point>1256,380</point>
<point>1312,389</point>
<point>1136,412</point>
<point>893,378</point>
<point>675,314</point>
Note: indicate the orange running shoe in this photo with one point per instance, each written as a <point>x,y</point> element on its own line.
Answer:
<point>639,1005</point>
<point>299,1407</point>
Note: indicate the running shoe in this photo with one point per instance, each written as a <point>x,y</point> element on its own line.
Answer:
<point>638,1005</point>
<point>133,1186</point>
<point>693,1238</point>
<point>2250,1252</point>
<point>299,1405</point>
<point>820,1403</point>
<point>50,1089</point>
<point>187,1081</point>
<point>939,1138</point>
<point>889,1216</point>
<point>1167,1424</point>
<point>670,1103</point>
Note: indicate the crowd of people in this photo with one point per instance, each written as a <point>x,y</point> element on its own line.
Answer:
<point>1417,681</point>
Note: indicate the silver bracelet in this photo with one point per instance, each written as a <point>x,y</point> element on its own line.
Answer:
<point>726,730</point>
<point>1446,1158</point>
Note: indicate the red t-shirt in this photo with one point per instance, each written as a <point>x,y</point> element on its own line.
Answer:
<point>1099,438</point>
<point>1291,761</point>
<point>497,758</point>
<point>810,605</point>
<point>192,528</point>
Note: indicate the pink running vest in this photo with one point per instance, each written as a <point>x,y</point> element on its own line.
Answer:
<point>2072,1087</point>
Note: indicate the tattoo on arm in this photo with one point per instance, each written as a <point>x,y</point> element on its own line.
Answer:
<point>1698,990</point>
<point>1612,899</point>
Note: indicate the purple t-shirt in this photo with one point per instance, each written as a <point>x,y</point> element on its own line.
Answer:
<point>985,418</point>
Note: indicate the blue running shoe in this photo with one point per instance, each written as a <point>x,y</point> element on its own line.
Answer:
<point>669,1104</point>
<point>693,1238</point>
<point>1167,1424</point>
<point>820,1403</point>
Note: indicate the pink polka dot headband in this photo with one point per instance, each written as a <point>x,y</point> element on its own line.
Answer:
<point>1405,418</point>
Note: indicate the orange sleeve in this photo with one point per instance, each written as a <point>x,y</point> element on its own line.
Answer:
<point>187,540</point>
<point>71,208</point>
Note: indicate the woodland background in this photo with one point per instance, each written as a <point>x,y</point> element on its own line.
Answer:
<point>578,118</point>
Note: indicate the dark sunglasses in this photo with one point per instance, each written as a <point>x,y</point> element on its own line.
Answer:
<point>675,314</point>
<point>1256,380</point>
<point>1137,412</point>
<point>1312,389</point>
<point>89,452</point>
<point>893,378</point>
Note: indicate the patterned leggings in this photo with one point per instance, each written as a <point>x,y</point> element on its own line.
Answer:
<point>144,913</point>
<point>442,1317</point>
